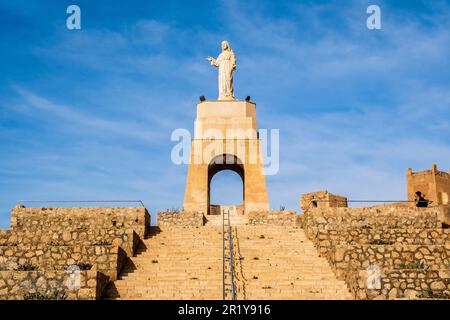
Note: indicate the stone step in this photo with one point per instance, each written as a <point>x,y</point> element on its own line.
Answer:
<point>171,285</point>
<point>190,265</point>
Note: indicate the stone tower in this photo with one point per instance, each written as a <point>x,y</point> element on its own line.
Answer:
<point>225,138</point>
<point>434,184</point>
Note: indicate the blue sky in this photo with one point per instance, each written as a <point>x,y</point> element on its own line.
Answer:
<point>88,114</point>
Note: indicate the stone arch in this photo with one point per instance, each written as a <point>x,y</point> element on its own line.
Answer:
<point>225,162</point>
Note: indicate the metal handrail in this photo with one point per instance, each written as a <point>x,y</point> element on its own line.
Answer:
<point>81,201</point>
<point>363,201</point>
<point>230,258</point>
<point>224,295</point>
<point>230,240</point>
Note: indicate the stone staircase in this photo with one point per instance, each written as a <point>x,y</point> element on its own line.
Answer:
<point>279,262</point>
<point>271,262</point>
<point>174,263</point>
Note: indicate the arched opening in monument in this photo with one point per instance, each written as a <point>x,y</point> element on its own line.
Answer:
<point>228,187</point>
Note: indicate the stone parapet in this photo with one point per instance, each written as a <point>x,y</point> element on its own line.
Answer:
<point>280,218</point>
<point>372,217</point>
<point>39,222</point>
<point>180,219</point>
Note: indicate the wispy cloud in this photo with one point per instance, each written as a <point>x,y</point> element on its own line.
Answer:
<point>80,120</point>
<point>354,107</point>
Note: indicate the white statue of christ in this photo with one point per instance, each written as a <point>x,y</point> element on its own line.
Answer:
<point>226,62</point>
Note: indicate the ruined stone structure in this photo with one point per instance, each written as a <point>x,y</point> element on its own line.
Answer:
<point>322,199</point>
<point>434,184</point>
<point>225,138</point>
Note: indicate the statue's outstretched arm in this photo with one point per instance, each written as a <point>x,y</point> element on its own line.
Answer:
<point>213,61</point>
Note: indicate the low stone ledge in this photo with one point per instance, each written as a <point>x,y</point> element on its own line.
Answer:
<point>281,218</point>
<point>180,219</point>
<point>19,285</point>
<point>372,217</point>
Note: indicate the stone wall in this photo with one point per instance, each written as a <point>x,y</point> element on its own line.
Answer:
<point>401,284</point>
<point>48,240</point>
<point>180,219</point>
<point>334,236</point>
<point>398,241</point>
<point>346,258</point>
<point>107,259</point>
<point>19,285</point>
<point>274,218</point>
<point>42,221</point>
<point>372,217</point>
<point>128,240</point>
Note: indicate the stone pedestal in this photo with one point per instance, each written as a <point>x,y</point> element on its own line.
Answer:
<point>225,138</point>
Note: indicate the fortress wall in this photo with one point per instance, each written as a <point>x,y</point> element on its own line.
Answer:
<point>434,184</point>
<point>372,217</point>
<point>16,285</point>
<point>106,259</point>
<point>280,218</point>
<point>197,219</point>
<point>345,258</point>
<point>402,284</point>
<point>383,236</point>
<point>180,219</point>
<point>51,239</point>
<point>40,220</point>
<point>128,240</point>
<point>388,239</point>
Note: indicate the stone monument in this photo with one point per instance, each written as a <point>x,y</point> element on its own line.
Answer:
<point>225,138</point>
